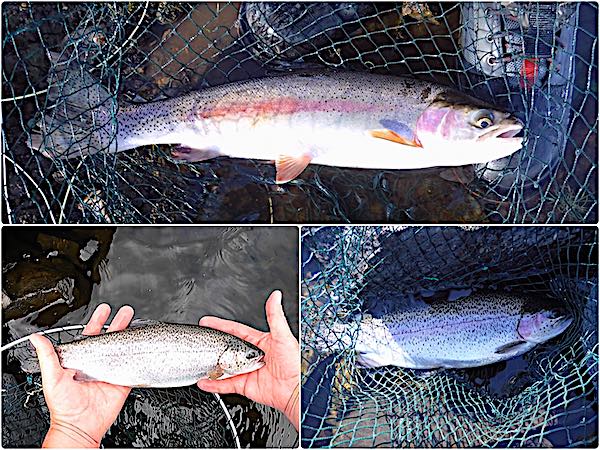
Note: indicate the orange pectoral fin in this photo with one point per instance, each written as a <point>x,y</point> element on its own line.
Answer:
<point>216,373</point>
<point>289,167</point>
<point>390,135</point>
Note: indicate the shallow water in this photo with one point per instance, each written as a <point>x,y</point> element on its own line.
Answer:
<point>175,274</point>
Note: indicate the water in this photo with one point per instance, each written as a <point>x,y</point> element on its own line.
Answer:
<point>175,274</point>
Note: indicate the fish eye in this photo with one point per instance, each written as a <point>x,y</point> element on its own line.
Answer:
<point>251,354</point>
<point>483,119</point>
<point>484,122</point>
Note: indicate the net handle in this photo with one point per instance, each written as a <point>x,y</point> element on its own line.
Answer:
<point>80,327</point>
<point>50,331</point>
<point>230,419</point>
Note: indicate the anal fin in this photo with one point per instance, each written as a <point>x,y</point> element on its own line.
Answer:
<point>289,167</point>
<point>183,153</point>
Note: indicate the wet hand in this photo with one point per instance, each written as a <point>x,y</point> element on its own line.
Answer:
<point>80,412</point>
<point>277,383</point>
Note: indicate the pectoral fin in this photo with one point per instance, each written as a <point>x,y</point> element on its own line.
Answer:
<point>507,348</point>
<point>80,376</point>
<point>390,135</point>
<point>289,167</point>
<point>216,373</point>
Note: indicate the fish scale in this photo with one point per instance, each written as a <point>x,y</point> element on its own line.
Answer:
<point>380,94</point>
<point>159,355</point>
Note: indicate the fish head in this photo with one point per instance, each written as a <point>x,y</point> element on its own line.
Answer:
<point>540,326</point>
<point>241,357</point>
<point>467,131</point>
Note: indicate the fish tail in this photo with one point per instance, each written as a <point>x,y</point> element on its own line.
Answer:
<point>82,117</point>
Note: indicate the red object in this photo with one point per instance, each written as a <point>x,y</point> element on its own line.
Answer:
<point>529,72</point>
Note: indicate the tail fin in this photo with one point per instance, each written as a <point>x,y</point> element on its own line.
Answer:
<point>81,118</point>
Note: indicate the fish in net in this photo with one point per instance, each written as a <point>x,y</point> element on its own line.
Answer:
<point>546,397</point>
<point>534,59</point>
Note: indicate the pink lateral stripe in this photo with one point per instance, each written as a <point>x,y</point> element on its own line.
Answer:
<point>283,106</point>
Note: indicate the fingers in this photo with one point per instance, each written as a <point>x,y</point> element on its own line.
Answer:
<point>278,325</point>
<point>229,326</point>
<point>100,316</point>
<point>121,319</point>
<point>49,364</point>
<point>97,321</point>
<point>227,386</point>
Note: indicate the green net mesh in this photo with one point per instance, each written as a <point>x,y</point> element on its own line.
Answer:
<point>182,418</point>
<point>545,398</point>
<point>536,59</point>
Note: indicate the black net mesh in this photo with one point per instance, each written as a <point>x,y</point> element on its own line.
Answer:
<point>537,59</point>
<point>181,418</point>
<point>547,397</point>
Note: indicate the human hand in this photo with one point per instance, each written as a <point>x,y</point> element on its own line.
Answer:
<point>81,412</point>
<point>277,383</point>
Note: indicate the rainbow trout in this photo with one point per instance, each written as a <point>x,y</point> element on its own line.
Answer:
<point>155,354</point>
<point>472,331</point>
<point>343,119</point>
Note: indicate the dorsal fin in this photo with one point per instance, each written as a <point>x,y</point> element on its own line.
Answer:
<point>138,323</point>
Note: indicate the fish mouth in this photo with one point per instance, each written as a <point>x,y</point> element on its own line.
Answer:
<point>562,323</point>
<point>259,363</point>
<point>502,131</point>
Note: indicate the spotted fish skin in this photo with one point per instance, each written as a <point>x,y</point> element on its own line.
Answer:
<point>159,355</point>
<point>340,119</point>
<point>317,101</point>
<point>472,331</point>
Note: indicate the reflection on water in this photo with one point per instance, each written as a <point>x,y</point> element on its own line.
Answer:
<point>55,277</point>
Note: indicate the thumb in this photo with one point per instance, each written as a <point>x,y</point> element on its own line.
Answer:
<point>278,325</point>
<point>49,364</point>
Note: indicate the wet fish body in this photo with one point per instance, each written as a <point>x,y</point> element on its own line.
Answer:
<point>339,119</point>
<point>159,355</point>
<point>472,331</point>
